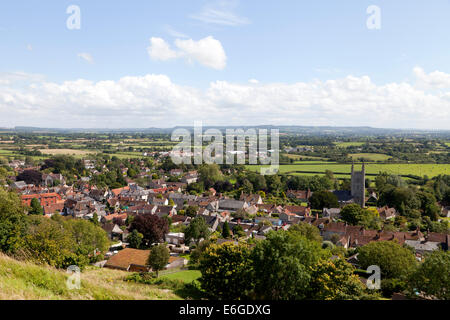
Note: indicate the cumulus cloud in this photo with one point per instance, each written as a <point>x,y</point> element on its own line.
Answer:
<point>208,51</point>
<point>155,101</point>
<point>436,79</point>
<point>159,49</point>
<point>86,57</point>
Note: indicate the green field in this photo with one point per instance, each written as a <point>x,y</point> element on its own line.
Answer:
<point>187,276</point>
<point>370,156</point>
<point>342,170</point>
<point>349,144</point>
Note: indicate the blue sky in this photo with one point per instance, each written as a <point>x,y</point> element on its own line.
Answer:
<point>274,42</point>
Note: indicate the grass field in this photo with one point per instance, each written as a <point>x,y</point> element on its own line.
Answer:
<point>73,152</point>
<point>370,156</point>
<point>300,157</point>
<point>26,281</point>
<point>186,276</point>
<point>349,144</point>
<point>340,170</point>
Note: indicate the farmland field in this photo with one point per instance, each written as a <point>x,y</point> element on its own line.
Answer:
<point>431,170</point>
<point>349,144</point>
<point>370,156</point>
<point>66,151</point>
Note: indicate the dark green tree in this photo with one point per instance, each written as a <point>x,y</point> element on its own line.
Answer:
<point>36,208</point>
<point>158,258</point>
<point>197,230</point>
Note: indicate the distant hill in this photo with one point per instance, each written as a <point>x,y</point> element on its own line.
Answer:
<point>26,281</point>
<point>300,130</point>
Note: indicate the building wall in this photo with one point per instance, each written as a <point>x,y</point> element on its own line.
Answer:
<point>358,186</point>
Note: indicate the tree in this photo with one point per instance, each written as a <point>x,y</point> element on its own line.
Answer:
<point>90,240</point>
<point>433,276</point>
<point>134,239</point>
<point>355,215</point>
<point>46,242</point>
<point>30,177</point>
<point>36,208</point>
<point>94,219</point>
<point>226,230</point>
<point>197,230</point>
<point>352,213</point>
<point>191,211</point>
<point>394,260</point>
<point>153,228</point>
<point>335,280</point>
<point>306,230</point>
<point>323,199</point>
<point>198,252</point>
<point>226,271</point>
<point>282,266</point>
<point>158,258</point>
<point>13,222</point>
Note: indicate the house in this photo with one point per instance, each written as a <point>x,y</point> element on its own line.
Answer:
<point>128,259</point>
<point>175,238</point>
<point>49,180</point>
<point>54,208</point>
<point>19,185</point>
<point>211,221</point>
<point>45,199</point>
<point>269,208</point>
<point>134,260</point>
<point>113,231</point>
<point>298,210</point>
<point>15,164</point>
<point>162,211</point>
<point>109,218</point>
<point>189,179</point>
<point>159,201</point>
<point>176,172</point>
<point>232,205</point>
<point>299,195</point>
<point>332,213</point>
<point>387,213</point>
<point>251,199</point>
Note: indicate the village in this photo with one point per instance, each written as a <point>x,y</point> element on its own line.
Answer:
<point>248,217</point>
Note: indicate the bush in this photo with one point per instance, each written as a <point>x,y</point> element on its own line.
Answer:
<point>391,286</point>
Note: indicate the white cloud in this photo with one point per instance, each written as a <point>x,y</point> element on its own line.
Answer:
<point>253,81</point>
<point>220,13</point>
<point>159,49</point>
<point>207,51</point>
<point>86,57</point>
<point>432,80</point>
<point>155,101</point>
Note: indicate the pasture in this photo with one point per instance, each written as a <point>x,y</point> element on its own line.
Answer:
<point>344,170</point>
<point>72,152</point>
<point>370,156</point>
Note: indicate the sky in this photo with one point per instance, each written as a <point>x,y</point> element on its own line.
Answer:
<point>154,63</point>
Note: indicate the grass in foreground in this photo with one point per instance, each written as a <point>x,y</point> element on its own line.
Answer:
<point>26,281</point>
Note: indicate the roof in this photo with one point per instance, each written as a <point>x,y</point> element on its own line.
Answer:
<point>128,256</point>
<point>116,192</point>
<point>343,195</point>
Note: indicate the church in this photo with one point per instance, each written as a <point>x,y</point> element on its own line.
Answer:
<point>358,189</point>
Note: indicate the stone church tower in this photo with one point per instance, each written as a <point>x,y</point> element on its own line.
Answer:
<point>359,186</point>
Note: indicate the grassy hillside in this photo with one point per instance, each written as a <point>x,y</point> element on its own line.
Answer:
<point>22,280</point>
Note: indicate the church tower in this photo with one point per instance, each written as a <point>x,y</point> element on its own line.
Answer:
<point>359,185</point>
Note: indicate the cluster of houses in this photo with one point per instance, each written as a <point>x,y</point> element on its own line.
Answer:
<point>163,198</point>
